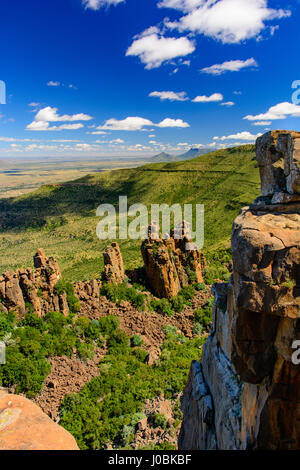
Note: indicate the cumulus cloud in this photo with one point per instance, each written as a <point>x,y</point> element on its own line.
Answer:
<point>153,49</point>
<point>215,97</point>
<point>50,115</point>
<point>137,123</point>
<point>46,115</point>
<point>134,123</point>
<point>262,123</point>
<point>169,95</point>
<point>45,126</point>
<point>230,66</point>
<point>97,4</point>
<point>279,111</point>
<point>173,123</point>
<point>228,103</point>
<point>51,83</point>
<point>228,21</point>
<point>247,136</point>
<point>182,5</point>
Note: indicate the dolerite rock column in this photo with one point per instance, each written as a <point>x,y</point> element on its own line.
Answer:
<point>245,393</point>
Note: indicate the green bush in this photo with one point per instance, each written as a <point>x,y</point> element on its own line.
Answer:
<point>158,420</point>
<point>162,306</point>
<point>121,292</point>
<point>7,322</point>
<point>136,340</point>
<point>178,303</point>
<point>86,351</point>
<point>203,317</point>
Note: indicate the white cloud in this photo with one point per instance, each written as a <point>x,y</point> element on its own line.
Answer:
<point>138,124</point>
<point>169,95</point>
<point>229,66</point>
<point>97,4</point>
<point>229,21</point>
<point>279,111</point>
<point>48,114</point>
<point>228,103</point>
<point>262,123</point>
<point>182,5</point>
<point>247,136</point>
<point>51,83</point>
<point>153,49</point>
<point>173,123</point>
<point>128,124</point>
<point>45,126</point>
<point>215,97</point>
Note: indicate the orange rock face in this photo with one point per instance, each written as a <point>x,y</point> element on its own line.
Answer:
<point>113,264</point>
<point>35,286</point>
<point>169,265</point>
<point>245,393</point>
<point>23,426</point>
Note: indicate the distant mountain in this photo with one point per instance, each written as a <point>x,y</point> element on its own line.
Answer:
<point>166,157</point>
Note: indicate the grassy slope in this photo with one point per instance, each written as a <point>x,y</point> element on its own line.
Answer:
<point>61,218</point>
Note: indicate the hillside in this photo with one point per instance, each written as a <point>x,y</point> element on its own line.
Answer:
<point>61,218</point>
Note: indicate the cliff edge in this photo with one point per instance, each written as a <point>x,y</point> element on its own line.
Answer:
<point>245,393</point>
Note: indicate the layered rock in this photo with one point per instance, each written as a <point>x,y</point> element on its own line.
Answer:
<point>23,426</point>
<point>34,286</point>
<point>245,392</point>
<point>113,264</point>
<point>171,262</point>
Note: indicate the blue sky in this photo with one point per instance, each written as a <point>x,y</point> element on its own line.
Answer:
<point>137,77</point>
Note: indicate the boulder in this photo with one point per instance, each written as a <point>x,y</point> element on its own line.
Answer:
<point>23,426</point>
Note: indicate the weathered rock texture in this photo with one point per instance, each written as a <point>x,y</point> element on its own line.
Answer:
<point>23,426</point>
<point>113,264</point>
<point>169,264</point>
<point>35,286</point>
<point>245,393</point>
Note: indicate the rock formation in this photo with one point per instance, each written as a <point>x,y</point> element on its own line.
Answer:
<point>173,262</point>
<point>245,392</point>
<point>34,286</point>
<point>113,264</point>
<point>23,426</point>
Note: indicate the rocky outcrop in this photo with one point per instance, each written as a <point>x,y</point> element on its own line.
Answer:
<point>33,286</point>
<point>171,263</point>
<point>113,264</point>
<point>23,426</point>
<point>245,392</point>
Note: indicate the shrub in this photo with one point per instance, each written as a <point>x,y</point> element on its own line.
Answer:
<point>86,351</point>
<point>120,292</point>
<point>7,322</point>
<point>203,317</point>
<point>158,420</point>
<point>33,320</point>
<point>177,303</point>
<point>162,306</point>
<point>136,340</point>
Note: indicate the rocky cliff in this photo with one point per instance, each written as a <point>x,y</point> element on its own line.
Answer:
<point>33,286</point>
<point>171,262</point>
<point>245,393</point>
